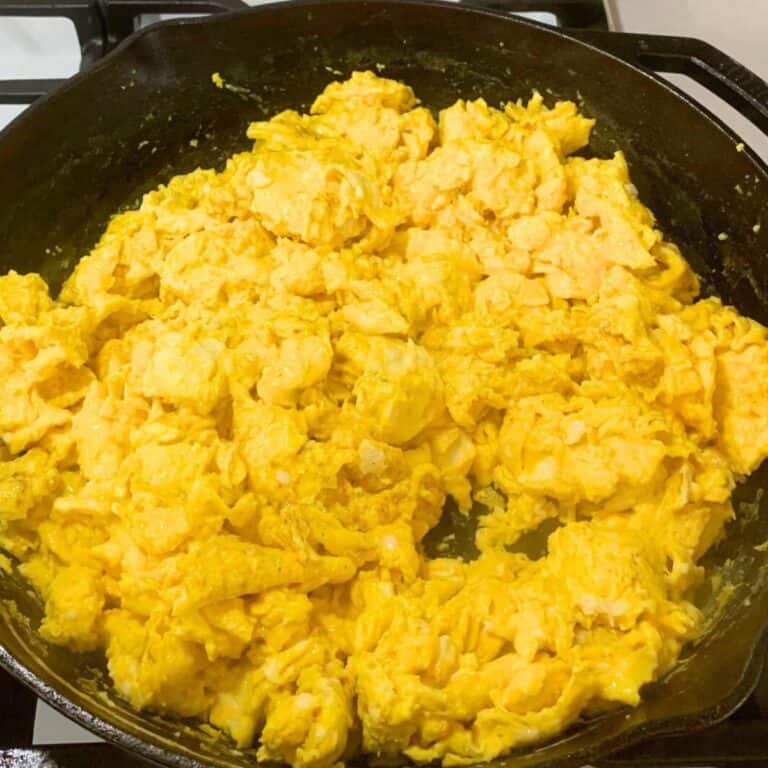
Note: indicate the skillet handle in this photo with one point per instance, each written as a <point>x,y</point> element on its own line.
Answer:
<point>91,36</point>
<point>707,65</point>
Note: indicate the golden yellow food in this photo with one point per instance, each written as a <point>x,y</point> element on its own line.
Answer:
<point>223,443</point>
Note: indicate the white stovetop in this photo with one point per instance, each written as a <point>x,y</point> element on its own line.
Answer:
<point>46,48</point>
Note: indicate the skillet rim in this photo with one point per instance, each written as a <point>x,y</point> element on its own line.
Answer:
<point>465,6</point>
<point>179,757</point>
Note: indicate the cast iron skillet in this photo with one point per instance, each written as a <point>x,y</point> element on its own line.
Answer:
<point>95,144</point>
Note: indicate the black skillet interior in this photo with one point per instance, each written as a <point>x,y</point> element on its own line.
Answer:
<point>95,145</point>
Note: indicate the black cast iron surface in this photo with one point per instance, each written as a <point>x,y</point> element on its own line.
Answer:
<point>103,24</point>
<point>739,742</point>
<point>78,158</point>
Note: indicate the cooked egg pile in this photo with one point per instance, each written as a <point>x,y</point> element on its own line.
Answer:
<point>224,442</point>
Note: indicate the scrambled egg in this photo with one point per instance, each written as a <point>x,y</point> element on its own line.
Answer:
<point>223,443</point>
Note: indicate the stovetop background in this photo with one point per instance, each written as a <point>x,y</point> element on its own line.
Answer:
<point>47,48</point>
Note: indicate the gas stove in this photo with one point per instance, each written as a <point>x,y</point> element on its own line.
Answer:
<point>44,41</point>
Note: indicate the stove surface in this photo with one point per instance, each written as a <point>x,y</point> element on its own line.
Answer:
<point>34,735</point>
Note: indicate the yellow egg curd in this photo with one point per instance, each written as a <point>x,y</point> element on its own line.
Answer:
<point>222,445</point>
